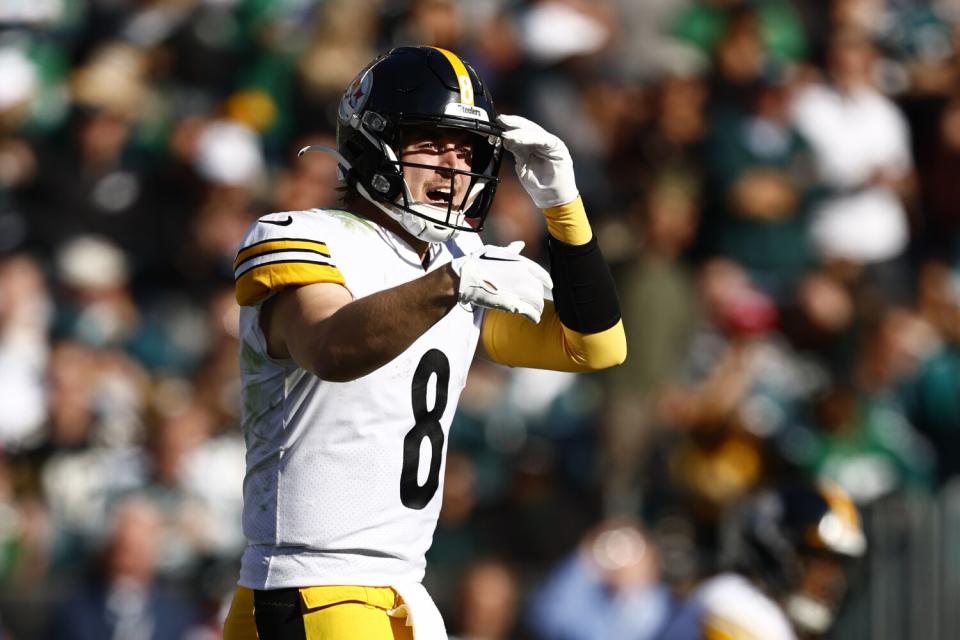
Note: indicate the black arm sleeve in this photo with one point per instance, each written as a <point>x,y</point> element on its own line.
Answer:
<point>583,289</point>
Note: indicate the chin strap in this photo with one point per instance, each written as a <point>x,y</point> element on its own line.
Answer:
<point>344,167</point>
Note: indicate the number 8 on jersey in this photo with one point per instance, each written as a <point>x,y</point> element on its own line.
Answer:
<point>413,495</point>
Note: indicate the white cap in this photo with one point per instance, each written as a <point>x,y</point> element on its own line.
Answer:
<point>92,262</point>
<point>229,153</point>
<point>551,31</point>
<point>18,77</point>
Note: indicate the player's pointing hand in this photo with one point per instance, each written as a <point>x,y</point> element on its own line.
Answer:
<point>500,278</point>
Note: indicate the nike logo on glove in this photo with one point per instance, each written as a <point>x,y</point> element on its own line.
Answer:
<point>279,223</point>
<point>486,257</point>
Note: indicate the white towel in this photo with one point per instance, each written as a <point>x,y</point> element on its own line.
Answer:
<point>420,611</point>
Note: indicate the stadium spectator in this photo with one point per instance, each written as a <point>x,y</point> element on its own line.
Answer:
<point>861,144</point>
<point>609,587</point>
<point>123,598</point>
<point>658,291</point>
<point>488,602</point>
<point>761,171</point>
<point>25,314</point>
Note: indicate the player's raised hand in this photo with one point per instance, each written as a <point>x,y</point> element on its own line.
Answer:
<point>542,161</point>
<point>500,278</point>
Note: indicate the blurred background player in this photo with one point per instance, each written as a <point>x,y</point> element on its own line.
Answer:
<point>790,550</point>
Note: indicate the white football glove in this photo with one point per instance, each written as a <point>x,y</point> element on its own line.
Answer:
<point>542,161</point>
<point>500,278</point>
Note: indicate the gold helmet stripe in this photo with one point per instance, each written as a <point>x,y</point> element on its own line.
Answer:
<point>720,628</point>
<point>463,78</point>
<point>841,504</point>
<point>839,530</point>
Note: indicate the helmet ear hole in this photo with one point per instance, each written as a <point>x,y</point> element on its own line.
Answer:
<point>387,184</point>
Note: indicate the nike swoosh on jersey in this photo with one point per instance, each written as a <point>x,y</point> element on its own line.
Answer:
<point>279,223</point>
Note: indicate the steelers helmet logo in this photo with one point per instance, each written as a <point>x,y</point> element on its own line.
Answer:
<point>355,96</point>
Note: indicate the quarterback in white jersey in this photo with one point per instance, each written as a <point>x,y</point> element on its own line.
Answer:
<point>358,327</point>
<point>363,458</point>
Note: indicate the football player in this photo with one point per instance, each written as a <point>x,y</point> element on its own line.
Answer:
<point>789,551</point>
<point>358,327</point>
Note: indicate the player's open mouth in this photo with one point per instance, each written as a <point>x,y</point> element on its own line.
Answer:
<point>440,195</point>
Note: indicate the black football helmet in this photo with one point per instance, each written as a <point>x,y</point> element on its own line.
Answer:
<point>777,536</point>
<point>421,87</point>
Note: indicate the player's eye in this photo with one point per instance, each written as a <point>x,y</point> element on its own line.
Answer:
<point>464,151</point>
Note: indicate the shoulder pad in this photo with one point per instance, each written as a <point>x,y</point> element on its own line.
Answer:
<point>734,609</point>
<point>282,250</point>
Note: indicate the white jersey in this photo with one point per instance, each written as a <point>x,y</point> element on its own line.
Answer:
<point>733,608</point>
<point>344,480</point>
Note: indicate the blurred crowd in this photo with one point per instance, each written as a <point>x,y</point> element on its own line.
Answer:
<point>773,181</point>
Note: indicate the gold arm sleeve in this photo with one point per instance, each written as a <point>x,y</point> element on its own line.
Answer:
<point>568,223</point>
<point>513,340</point>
